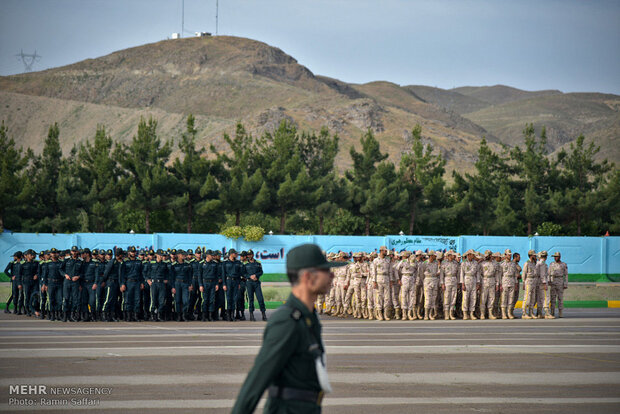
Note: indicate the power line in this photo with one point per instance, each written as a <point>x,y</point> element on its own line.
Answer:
<point>28,59</point>
<point>217,8</point>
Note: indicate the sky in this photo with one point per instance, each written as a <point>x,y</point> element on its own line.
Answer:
<point>570,45</point>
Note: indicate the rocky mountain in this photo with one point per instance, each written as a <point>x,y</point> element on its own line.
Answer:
<point>222,80</point>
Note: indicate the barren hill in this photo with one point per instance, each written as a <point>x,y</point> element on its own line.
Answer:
<point>224,79</point>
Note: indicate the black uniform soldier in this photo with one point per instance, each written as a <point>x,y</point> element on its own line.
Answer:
<point>43,261</point>
<point>28,279</point>
<point>131,283</point>
<point>180,278</point>
<point>104,257</point>
<point>240,305</point>
<point>89,288</point>
<point>110,281</point>
<point>220,294</point>
<point>146,292</point>
<point>10,271</point>
<point>209,276</point>
<point>291,361</point>
<point>195,297</point>
<point>253,271</point>
<point>232,273</point>
<point>53,280</point>
<point>158,279</point>
<point>72,268</point>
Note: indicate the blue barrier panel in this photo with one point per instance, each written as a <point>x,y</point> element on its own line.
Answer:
<point>588,258</point>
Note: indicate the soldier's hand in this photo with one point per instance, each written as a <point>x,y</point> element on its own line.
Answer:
<point>202,289</point>
<point>67,277</point>
<point>102,284</point>
<point>375,285</point>
<point>150,282</point>
<point>123,288</point>
<point>191,288</point>
<point>217,287</point>
<point>400,283</point>
<point>19,286</point>
<point>565,287</point>
<point>12,277</point>
<point>75,278</point>
<point>94,287</point>
<point>253,277</point>
<point>35,277</point>
<point>443,286</point>
<point>544,286</point>
<point>224,287</point>
<point>141,286</point>
<point>174,291</point>
<point>463,287</point>
<point>497,288</point>
<point>43,288</point>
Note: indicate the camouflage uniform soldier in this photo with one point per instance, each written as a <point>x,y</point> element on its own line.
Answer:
<point>430,271</point>
<point>419,284</point>
<point>341,285</point>
<point>395,286</point>
<point>381,275</point>
<point>490,285</point>
<point>364,285</point>
<point>407,271</point>
<point>355,286</point>
<point>331,296</point>
<point>510,271</point>
<point>470,283</point>
<point>459,291</point>
<point>497,257</point>
<point>449,279</point>
<point>558,272</point>
<point>516,257</point>
<point>531,278</point>
<point>370,288</point>
<point>543,291</point>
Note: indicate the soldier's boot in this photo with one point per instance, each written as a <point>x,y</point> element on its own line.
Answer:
<point>264,315</point>
<point>231,316</point>
<point>370,314</point>
<point>65,316</point>
<point>386,314</point>
<point>491,315</point>
<point>465,316</point>
<point>378,314</point>
<point>413,315</point>
<point>560,313</point>
<point>472,316</point>
<point>252,319</point>
<point>419,312</point>
<point>6,308</point>
<point>242,315</point>
<point>548,315</point>
<point>504,315</point>
<point>397,314</point>
<point>348,309</point>
<point>215,317</point>
<point>510,313</point>
<point>203,316</point>
<point>20,310</point>
<point>426,312</point>
<point>452,315</point>
<point>405,314</point>
<point>433,314</point>
<point>360,312</point>
<point>526,314</point>
<point>446,314</point>
<point>482,315</point>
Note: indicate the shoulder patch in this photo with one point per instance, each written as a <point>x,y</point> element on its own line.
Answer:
<point>296,314</point>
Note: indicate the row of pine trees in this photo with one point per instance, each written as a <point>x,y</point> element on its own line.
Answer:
<point>287,181</point>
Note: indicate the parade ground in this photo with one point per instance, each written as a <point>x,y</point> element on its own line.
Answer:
<point>509,366</point>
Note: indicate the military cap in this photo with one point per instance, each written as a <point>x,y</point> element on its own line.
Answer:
<point>531,252</point>
<point>30,251</point>
<point>497,254</point>
<point>52,250</point>
<point>80,251</point>
<point>86,250</point>
<point>119,252</point>
<point>181,251</point>
<point>308,256</point>
<point>131,249</point>
<point>507,251</point>
<point>383,248</point>
<point>109,252</point>
<point>418,252</point>
<point>250,252</point>
<point>440,255</point>
<point>217,253</point>
<point>18,254</point>
<point>74,248</point>
<point>198,250</point>
<point>405,253</point>
<point>41,253</point>
<point>356,254</point>
<point>432,253</point>
<point>458,255</point>
<point>543,253</point>
<point>189,251</point>
<point>343,255</point>
<point>243,253</point>
<point>160,252</point>
<point>151,251</point>
<point>231,251</point>
<point>450,252</point>
<point>173,251</point>
<point>488,253</point>
<point>209,252</point>
<point>556,254</point>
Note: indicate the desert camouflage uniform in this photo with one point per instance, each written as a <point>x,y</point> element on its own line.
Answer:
<point>490,285</point>
<point>449,279</point>
<point>558,273</point>
<point>407,271</point>
<point>430,270</point>
<point>381,274</point>
<point>510,271</point>
<point>469,279</point>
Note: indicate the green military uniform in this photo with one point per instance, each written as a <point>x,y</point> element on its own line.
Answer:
<point>286,363</point>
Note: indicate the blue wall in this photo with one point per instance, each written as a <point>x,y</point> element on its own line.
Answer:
<point>584,255</point>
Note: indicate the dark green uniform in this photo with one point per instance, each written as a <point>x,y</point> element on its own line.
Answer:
<point>286,364</point>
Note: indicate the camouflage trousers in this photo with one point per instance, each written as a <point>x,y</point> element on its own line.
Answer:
<point>487,296</point>
<point>356,290</point>
<point>341,293</point>
<point>431,287</point>
<point>531,291</point>
<point>449,295</point>
<point>419,294</point>
<point>395,295</point>
<point>382,295</point>
<point>557,295</point>
<point>508,296</point>
<point>407,293</point>
<point>469,295</point>
<point>370,296</point>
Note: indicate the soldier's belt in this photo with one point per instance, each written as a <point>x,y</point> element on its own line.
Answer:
<point>286,393</point>
<point>407,274</point>
<point>487,277</point>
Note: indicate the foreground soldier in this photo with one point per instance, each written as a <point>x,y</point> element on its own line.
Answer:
<point>52,284</point>
<point>490,285</point>
<point>531,278</point>
<point>407,271</point>
<point>291,360</point>
<point>381,275</point>
<point>543,294</point>
<point>430,270</point>
<point>11,271</point>
<point>558,273</point>
<point>355,270</point>
<point>510,272</point>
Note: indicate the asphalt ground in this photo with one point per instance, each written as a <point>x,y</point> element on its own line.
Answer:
<point>569,365</point>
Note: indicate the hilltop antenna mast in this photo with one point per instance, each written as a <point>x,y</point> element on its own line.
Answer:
<point>28,60</point>
<point>217,7</point>
<point>182,17</point>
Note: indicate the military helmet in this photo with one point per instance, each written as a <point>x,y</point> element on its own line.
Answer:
<point>357,254</point>
<point>432,253</point>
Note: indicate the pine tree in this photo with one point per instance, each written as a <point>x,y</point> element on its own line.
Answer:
<point>145,162</point>
<point>506,221</point>
<point>12,165</point>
